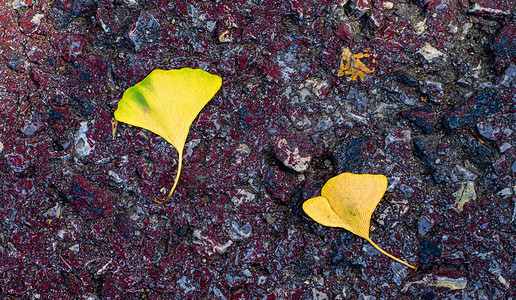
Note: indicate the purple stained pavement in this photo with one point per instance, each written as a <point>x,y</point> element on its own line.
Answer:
<point>77,213</point>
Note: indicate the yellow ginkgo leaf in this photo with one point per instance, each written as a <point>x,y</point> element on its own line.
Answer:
<point>167,103</point>
<point>348,201</point>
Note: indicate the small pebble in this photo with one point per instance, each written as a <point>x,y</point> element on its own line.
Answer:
<point>429,52</point>
<point>318,295</point>
<point>30,129</point>
<point>504,147</point>
<point>388,5</point>
<point>424,225</point>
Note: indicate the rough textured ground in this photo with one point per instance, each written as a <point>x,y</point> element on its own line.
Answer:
<point>436,116</point>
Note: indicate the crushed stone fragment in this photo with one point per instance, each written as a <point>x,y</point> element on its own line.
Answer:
<point>30,129</point>
<point>504,147</point>
<point>429,52</point>
<point>508,77</point>
<point>318,295</point>
<point>82,145</point>
<point>430,280</point>
<point>17,4</point>
<point>292,157</point>
<point>185,285</point>
<point>424,225</point>
<point>477,9</point>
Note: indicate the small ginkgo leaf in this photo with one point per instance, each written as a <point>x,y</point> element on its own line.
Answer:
<point>167,103</point>
<point>348,201</point>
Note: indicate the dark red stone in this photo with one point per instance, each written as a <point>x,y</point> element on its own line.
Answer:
<point>344,32</point>
<point>478,105</point>
<point>423,117</point>
<point>89,202</point>
<point>69,46</point>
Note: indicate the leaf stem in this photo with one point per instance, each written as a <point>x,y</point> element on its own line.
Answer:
<point>176,180</point>
<point>389,255</point>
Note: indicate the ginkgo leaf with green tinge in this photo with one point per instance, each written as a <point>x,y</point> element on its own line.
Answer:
<point>348,201</point>
<point>167,103</point>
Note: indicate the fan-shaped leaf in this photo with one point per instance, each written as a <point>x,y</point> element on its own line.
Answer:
<point>166,103</point>
<point>348,201</point>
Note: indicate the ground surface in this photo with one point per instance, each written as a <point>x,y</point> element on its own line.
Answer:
<point>436,116</point>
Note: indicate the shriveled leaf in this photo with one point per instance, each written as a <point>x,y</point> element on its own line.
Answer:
<point>166,103</point>
<point>351,65</point>
<point>348,201</point>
